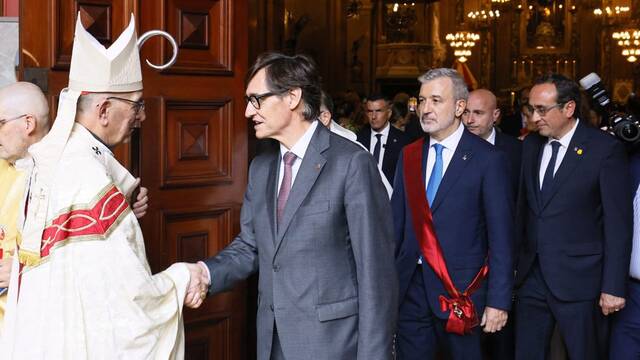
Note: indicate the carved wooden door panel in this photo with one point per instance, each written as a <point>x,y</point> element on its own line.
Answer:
<point>191,152</point>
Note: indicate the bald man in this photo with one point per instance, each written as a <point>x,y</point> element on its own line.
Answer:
<point>24,120</point>
<point>480,118</point>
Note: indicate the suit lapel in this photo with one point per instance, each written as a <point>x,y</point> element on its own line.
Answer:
<point>569,162</point>
<point>458,162</point>
<point>366,138</point>
<point>390,148</point>
<point>535,170</point>
<point>272,190</point>
<point>310,169</point>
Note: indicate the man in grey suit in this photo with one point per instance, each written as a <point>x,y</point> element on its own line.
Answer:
<point>316,223</point>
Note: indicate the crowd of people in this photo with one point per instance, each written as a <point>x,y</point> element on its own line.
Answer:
<point>380,229</point>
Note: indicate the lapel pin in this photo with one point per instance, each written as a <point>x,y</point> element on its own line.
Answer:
<point>318,167</point>
<point>578,151</point>
<point>464,157</point>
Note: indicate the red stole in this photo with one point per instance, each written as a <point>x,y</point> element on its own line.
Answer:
<point>462,313</point>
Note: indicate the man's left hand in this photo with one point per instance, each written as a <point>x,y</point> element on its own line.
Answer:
<point>142,203</point>
<point>493,319</point>
<point>611,303</point>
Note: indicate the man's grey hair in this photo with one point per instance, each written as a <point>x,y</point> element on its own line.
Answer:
<point>460,91</point>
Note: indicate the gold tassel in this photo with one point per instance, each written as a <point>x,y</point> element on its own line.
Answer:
<point>28,258</point>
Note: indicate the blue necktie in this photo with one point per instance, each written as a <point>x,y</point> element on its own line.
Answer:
<point>436,174</point>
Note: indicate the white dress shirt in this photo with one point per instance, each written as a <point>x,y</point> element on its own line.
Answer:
<point>492,137</point>
<point>299,149</point>
<point>350,135</point>
<point>635,250</point>
<point>383,140</point>
<point>546,153</point>
<point>450,144</point>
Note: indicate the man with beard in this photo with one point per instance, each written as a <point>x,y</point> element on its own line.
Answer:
<point>455,240</point>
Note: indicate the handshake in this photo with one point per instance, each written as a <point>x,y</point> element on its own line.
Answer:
<point>198,285</point>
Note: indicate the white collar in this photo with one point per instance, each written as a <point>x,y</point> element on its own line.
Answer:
<point>492,137</point>
<point>566,139</point>
<point>300,147</point>
<point>451,141</point>
<point>384,131</point>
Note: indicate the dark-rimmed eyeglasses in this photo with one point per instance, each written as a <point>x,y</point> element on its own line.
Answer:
<point>4,121</point>
<point>542,110</point>
<point>137,106</point>
<point>256,98</point>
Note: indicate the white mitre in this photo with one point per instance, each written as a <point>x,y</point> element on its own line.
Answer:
<point>94,68</point>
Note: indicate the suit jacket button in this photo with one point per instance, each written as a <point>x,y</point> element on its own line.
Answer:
<point>271,307</point>
<point>276,268</point>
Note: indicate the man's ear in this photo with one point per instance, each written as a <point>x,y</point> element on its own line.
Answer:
<point>460,106</point>
<point>570,108</point>
<point>103,112</point>
<point>295,98</point>
<point>31,124</point>
<point>496,115</point>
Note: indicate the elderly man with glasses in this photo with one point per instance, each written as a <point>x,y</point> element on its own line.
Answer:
<point>17,134</point>
<point>575,219</point>
<point>85,289</point>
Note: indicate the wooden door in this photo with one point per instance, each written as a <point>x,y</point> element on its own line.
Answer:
<point>191,152</point>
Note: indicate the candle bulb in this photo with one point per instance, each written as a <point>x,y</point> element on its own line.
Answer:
<point>573,68</point>
<point>515,69</point>
<point>557,66</point>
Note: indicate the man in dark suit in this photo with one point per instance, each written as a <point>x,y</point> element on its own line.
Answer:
<point>575,216</point>
<point>515,124</point>
<point>454,240</point>
<point>480,118</point>
<point>382,139</point>
<point>316,224</point>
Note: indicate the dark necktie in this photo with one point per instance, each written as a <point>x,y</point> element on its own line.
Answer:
<point>376,148</point>
<point>547,181</point>
<point>289,158</point>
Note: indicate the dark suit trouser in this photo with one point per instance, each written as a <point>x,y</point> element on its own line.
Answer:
<point>500,345</point>
<point>537,311</point>
<point>625,331</point>
<point>421,333</point>
<point>276,348</point>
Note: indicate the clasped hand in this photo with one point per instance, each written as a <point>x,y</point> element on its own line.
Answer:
<point>198,285</point>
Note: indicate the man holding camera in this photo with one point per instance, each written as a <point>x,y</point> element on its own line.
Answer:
<point>575,220</point>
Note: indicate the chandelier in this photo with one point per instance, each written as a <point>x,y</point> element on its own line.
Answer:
<point>483,16</point>
<point>461,42</point>
<point>629,41</point>
<point>612,11</point>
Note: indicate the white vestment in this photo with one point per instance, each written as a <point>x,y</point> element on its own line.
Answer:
<point>92,295</point>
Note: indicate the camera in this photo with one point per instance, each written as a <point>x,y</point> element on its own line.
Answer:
<point>625,126</point>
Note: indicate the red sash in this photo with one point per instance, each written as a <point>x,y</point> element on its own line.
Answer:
<point>462,313</point>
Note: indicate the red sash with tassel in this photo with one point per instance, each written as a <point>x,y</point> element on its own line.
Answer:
<point>462,313</point>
